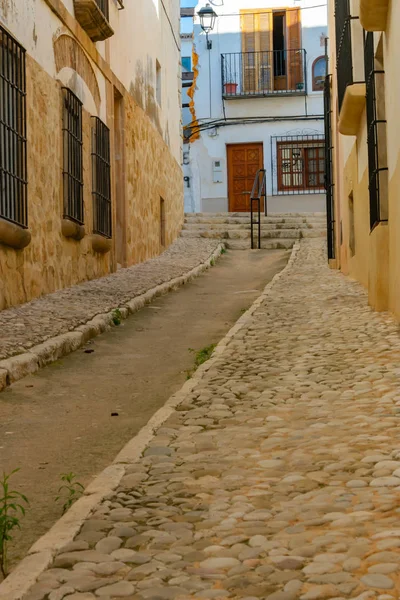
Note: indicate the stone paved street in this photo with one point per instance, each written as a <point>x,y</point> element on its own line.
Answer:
<point>24,326</point>
<point>278,477</point>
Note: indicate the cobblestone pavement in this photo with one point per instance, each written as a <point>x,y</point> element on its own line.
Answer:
<point>279,475</point>
<point>25,326</point>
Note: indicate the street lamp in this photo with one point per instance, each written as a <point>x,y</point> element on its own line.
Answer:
<point>207,21</point>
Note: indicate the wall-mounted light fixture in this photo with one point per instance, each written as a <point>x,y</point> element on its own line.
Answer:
<point>207,21</point>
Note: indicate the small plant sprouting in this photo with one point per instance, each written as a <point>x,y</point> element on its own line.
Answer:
<point>223,250</point>
<point>11,509</point>
<point>201,356</point>
<point>70,491</point>
<point>116,317</point>
<point>212,262</point>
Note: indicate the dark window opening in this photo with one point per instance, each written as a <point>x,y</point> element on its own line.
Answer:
<point>376,134</point>
<point>278,20</point>
<point>13,152</point>
<point>352,236</point>
<point>344,62</point>
<point>73,169</point>
<point>101,177</point>
<point>104,7</point>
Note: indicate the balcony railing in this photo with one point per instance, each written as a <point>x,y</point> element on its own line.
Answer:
<point>104,7</point>
<point>260,74</point>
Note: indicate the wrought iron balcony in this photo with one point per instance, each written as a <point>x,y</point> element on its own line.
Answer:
<point>93,16</point>
<point>261,74</point>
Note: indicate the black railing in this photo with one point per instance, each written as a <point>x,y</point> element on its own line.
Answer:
<point>104,7</point>
<point>73,168</point>
<point>259,74</point>
<point>13,156</point>
<point>344,61</point>
<point>329,184</point>
<point>374,124</point>
<point>258,193</point>
<point>101,178</point>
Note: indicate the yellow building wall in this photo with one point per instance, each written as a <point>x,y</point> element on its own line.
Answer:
<point>150,134</point>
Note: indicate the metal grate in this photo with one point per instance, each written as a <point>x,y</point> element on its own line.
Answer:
<point>13,151</point>
<point>298,164</point>
<point>101,175</point>
<point>104,7</point>
<point>373,123</point>
<point>344,62</point>
<point>73,169</point>
<point>329,185</point>
<point>260,74</point>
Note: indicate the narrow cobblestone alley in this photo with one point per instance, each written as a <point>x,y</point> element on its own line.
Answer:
<point>277,477</point>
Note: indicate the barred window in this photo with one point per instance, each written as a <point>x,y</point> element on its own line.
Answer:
<point>73,168</point>
<point>13,152</point>
<point>101,177</point>
<point>300,164</point>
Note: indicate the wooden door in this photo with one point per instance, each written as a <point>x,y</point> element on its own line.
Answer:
<point>243,161</point>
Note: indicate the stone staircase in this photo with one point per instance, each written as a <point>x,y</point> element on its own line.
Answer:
<point>278,231</point>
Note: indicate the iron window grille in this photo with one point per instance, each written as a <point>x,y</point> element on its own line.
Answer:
<point>13,151</point>
<point>344,62</point>
<point>329,184</point>
<point>374,123</point>
<point>298,164</point>
<point>73,167</point>
<point>101,178</point>
<point>104,7</point>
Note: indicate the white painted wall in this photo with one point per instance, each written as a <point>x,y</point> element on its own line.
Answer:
<point>226,37</point>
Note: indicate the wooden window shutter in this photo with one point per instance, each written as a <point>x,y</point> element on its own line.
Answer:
<point>248,29</point>
<point>295,56</point>
<point>265,47</point>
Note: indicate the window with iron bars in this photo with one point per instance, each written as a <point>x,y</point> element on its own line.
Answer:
<point>376,134</point>
<point>101,177</point>
<point>73,167</point>
<point>13,151</point>
<point>298,164</point>
<point>344,62</point>
<point>329,184</point>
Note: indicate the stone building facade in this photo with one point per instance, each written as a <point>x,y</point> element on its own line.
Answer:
<point>362,96</point>
<point>90,140</point>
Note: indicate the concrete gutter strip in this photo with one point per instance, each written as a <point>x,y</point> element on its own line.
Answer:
<point>16,367</point>
<point>42,553</point>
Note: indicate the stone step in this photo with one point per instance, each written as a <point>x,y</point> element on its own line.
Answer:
<point>283,244</point>
<point>245,234</point>
<point>245,226</point>
<point>244,214</point>
<point>246,219</point>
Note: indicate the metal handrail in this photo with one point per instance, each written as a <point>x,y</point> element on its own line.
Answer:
<point>259,191</point>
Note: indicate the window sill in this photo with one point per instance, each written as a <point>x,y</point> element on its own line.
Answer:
<point>101,244</point>
<point>92,20</point>
<point>73,230</point>
<point>373,14</point>
<point>352,109</point>
<point>13,235</point>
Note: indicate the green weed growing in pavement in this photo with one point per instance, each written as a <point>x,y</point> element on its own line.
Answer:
<point>11,510</point>
<point>223,251</point>
<point>201,356</point>
<point>212,262</point>
<point>70,491</point>
<point>116,317</point>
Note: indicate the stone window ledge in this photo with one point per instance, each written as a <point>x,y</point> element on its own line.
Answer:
<point>352,109</point>
<point>70,229</point>
<point>13,235</point>
<point>101,244</point>
<point>92,20</point>
<point>373,14</point>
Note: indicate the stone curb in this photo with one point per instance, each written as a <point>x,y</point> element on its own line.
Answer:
<point>16,367</point>
<point>42,553</point>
